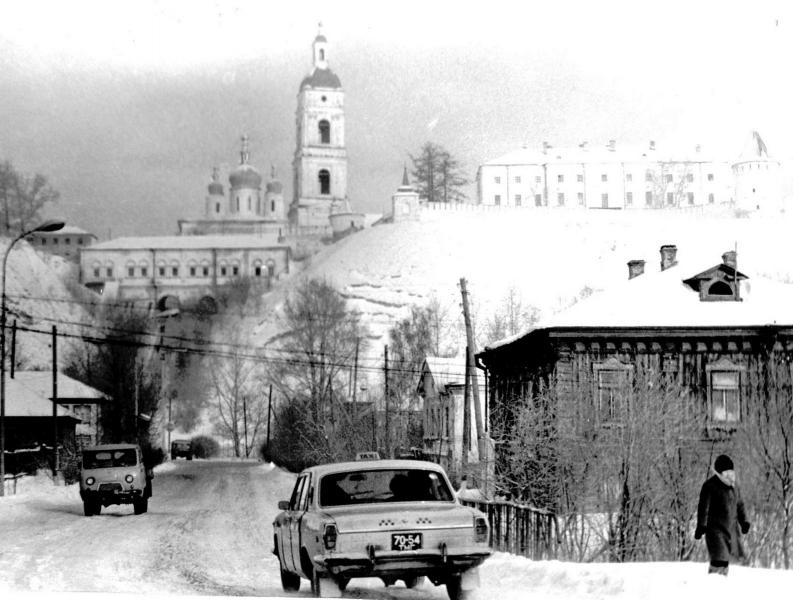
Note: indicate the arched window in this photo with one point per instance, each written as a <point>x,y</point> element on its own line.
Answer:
<point>270,268</point>
<point>324,181</point>
<point>324,132</point>
<point>217,207</point>
<point>721,288</point>
<point>223,269</point>
<point>175,268</point>
<point>249,203</point>
<point>272,205</point>
<point>321,54</point>
<point>257,268</point>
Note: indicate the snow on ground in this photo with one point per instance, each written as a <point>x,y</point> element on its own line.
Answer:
<point>208,533</point>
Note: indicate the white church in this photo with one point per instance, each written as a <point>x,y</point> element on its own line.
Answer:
<point>246,231</point>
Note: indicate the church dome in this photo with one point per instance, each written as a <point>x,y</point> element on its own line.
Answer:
<point>275,186</point>
<point>215,187</point>
<point>321,78</point>
<point>245,176</point>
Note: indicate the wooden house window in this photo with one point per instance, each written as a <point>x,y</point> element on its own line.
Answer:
<point>725,396</point>
<point>724,392</point>
<point>612,387</point>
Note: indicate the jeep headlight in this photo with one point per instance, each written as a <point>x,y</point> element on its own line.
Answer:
<point>129,478</point>
<point>90,481</point>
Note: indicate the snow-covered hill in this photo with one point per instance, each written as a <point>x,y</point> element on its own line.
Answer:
<point>38,297</point>
<point>551,259</point>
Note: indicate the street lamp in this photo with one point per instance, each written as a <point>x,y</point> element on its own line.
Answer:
<point>45,227</point>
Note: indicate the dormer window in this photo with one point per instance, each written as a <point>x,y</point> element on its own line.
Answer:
<point>721,283</point>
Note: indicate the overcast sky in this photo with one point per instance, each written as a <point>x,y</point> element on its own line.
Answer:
<point>126,106</point>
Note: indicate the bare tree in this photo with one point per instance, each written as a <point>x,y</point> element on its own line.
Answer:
<point>438,175</point>
<point>511,317</point>
<point>22,197</point>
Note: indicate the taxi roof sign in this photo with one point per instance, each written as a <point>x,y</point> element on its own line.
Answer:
<point>370,455</point>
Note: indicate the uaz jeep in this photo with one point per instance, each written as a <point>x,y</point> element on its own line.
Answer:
<point>114,474</point>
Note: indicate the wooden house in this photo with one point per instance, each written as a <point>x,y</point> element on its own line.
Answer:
<point>709,330</point>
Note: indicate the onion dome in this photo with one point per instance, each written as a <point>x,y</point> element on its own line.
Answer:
<point>245,175</point>
<point>215,187</point>
<point>274,185</point>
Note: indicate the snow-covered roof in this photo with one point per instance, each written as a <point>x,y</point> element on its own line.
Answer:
<point>188,242</point>
<point>661,299</point>
<point>66,230</point>
<point>449,371</point>
<point>21,401</point>
<point>40,382</point>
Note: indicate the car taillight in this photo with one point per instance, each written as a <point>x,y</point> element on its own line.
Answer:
<point>480,529</point>
<point>90,481</point>
<point>129,478</point>
<point>330,535</point>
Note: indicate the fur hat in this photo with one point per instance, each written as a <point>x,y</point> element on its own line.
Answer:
<point>723,463</point>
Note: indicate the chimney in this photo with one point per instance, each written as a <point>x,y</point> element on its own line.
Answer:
<point>612,145</point>
<point>635,268</point>
<point>652,145</point>
<point>668,256</point>
<point>730,258</point>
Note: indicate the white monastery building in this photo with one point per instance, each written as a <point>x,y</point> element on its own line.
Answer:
<point>171,271</point>
<point>611,177</point>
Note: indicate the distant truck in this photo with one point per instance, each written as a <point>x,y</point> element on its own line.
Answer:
<point>114,474</point>
<point>183,448</point>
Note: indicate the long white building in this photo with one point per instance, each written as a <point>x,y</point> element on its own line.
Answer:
<point>612,177</point>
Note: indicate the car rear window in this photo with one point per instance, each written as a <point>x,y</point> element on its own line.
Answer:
<point>383,485</point>
<point>101,459</point>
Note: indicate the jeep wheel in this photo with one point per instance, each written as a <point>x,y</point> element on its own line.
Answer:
<point>411,582</point>
<point>97,507</point>
<point>289,581</point>
<point>141,506</point>
<point>88,508</point>
<point>342,582</point>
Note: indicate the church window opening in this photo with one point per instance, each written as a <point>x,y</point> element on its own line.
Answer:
<point>109,271</point>
<point>43,241</point>
<point>235,270</point>
<point>144,272</point>
<point>272,205</point>
<point>192,271</point>
<point>710,176</point>
<point>175,271</point>
<point>55,241</point>
<point>321,54</point>
<point>217,207</point>
<point>131,271</point>
<point>257,270</point>
<point>324,98</point>
<point>711,198</point>
<point>270,268</point>
<point>161,271</point>
<point>537,199</point>
<point>497,200</point>
<point>68,241</point>
<point>324,181</point>
<point>249,203</point>
<point>238,203</point>
<point>324,132</point>
<point>223,270</point>
<point>96,273</point>
<point>205,271</point>
<point>517,199</point>
<point>80,241</point>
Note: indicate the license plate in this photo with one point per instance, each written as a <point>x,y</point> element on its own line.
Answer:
<point>405,541</point>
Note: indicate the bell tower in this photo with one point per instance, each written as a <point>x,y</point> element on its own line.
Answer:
<point>320,161</point>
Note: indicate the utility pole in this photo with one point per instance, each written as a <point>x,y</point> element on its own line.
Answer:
<point>469,335</point>
<point>13,347</point>
<point>55,455</point>
<point>466,416</point>
<point>269,412</point>
<point>245,421</point>
<point>387,432</point>
<point>355,378</point>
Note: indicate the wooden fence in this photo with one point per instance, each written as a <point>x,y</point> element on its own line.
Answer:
<point>520,529</point>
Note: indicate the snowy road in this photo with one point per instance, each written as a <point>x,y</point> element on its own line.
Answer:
<point>208,533</point>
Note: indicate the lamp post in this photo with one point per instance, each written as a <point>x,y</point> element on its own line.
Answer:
<point>46,226</point>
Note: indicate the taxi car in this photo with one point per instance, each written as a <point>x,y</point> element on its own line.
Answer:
<point>114,474</point>
<point>392,519</point>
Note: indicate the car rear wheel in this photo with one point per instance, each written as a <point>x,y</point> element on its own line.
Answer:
<point>455,589</point>
<point>88,508</point>
<point>141,506</point>
<point>411,582</point>
<point>342,582</point>
<point>97,507</point>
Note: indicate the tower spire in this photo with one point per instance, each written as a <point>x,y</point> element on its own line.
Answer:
<point>244,153</point>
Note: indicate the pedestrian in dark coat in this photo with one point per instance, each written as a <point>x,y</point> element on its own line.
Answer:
<point>721,517</point>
